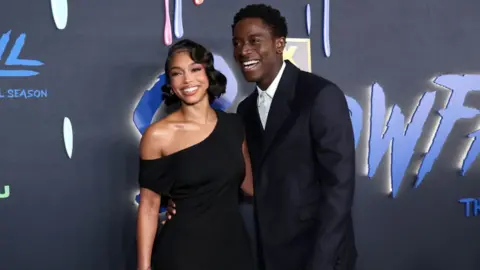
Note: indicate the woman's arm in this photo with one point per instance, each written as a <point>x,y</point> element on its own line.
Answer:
<point>147,224</point>
<point>247,185</point>
<point>147,219</point>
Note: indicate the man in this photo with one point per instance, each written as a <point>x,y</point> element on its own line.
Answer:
<point>301,145</point>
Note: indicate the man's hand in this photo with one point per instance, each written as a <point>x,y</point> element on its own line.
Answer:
<point>170,210</point>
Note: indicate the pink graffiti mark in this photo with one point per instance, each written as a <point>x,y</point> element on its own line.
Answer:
<point>198,2</point>
<point>167,29</point>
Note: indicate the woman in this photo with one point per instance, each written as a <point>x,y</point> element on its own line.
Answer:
<point>199,158</point>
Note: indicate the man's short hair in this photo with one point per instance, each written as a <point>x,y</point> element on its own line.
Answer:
<point>270,16</point>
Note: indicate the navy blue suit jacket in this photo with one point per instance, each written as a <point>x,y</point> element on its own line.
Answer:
<point>304,175</point>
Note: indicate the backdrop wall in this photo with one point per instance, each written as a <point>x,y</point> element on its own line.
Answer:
<point>76,93</point>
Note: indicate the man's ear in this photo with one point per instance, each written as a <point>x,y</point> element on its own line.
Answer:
<point>280,45</point>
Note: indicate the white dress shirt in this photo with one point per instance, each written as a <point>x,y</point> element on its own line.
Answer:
<point>264,100</point>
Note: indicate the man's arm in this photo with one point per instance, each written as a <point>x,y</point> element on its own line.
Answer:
<point>333,136</point>
<point>247,184</point>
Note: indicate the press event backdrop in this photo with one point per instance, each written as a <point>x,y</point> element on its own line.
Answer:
<point>80,81</point>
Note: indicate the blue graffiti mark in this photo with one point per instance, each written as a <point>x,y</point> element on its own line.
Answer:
<point>472,152</point>
<point>356,114</point>
<point>13,57</point>
<point>308,18</point>
<point>472,206</point>
<point>178,19</point>
<point>326,28</point>
<point>403,139</point>
<point>460,86</point>
<point>148,105</point>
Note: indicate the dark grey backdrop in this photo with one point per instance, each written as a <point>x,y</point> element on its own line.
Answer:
<point>79,213</point>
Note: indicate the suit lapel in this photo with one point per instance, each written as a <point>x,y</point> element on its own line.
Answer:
<point>281,107</point>
<point>252,113</point>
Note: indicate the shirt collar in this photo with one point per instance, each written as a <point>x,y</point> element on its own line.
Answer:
<point>274,85</point>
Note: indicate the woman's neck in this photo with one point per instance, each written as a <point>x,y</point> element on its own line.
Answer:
<point>201,112</point>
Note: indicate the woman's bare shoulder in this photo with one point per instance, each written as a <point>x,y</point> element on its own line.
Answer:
<point>156,137</point>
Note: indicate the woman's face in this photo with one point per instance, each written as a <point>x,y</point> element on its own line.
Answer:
<point>188,79</point>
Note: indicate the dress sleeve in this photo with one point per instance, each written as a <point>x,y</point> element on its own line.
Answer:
<point>154,175</point>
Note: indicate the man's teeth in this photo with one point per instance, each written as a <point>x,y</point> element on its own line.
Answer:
<point>250,64</point>
<point>190,89</point>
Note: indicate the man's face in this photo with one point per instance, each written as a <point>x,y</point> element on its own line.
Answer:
<point>257,51</point>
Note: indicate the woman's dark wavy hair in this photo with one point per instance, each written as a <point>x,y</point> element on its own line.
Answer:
<point>199,54</point>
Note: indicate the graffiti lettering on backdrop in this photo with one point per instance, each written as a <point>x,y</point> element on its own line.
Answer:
<point>5,193</point>
<point>403,139</point>
<point>472,206</point>
<point>15,67</point>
